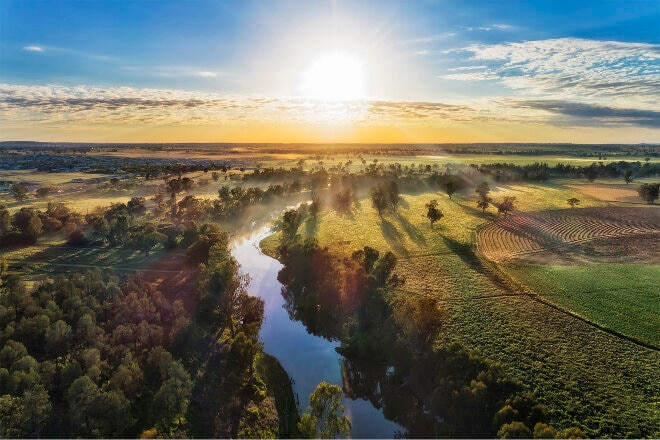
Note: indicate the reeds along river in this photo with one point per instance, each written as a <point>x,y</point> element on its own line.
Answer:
<point>308,359</point>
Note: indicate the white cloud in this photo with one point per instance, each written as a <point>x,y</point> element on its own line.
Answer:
<point>33,49</point>
<point>571,68</point>
<point>206,74</point>
<point>57,105</point>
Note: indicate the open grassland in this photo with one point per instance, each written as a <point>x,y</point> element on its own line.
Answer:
<point>52,256</point>
<point>617,296</point>
<point>588,377</point>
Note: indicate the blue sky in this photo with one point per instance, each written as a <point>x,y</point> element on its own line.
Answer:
<point>434,71</point>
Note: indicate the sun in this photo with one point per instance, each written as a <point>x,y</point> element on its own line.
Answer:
<point>334,77</point>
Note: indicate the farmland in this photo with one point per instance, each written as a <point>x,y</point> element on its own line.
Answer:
<point>563,299</point>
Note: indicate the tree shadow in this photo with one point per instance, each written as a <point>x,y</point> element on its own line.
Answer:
<point>393,236</point>
<point>411,230</point>
<point>478,212</point>
<point>311,226</point>
<point>466,253</point>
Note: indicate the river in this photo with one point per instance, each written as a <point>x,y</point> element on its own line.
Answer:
<point>308,359</point>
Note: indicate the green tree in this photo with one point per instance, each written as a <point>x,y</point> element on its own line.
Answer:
<point>627,176</point>
<point>571,432</point>
<point>543,430</point>
<point>514,430</point>
<point>4,218</point>
<point>82,397</point>
<point>483,205</point>
<point>28,222</point>
<point>573,202</point>
<point>43,191</point>
<point>147,237</point>
<point>326,417</point>
<point>451,186</point>
<point>36,409</point>
<point>136,207</point>
<point>432,212</point>
<point>506,205</point>
<point>649,192</point>
<point>290,223</point>
<point>171,400</point>
<point>379,199</point>
<point>19,191</point>
<point>483,190</point>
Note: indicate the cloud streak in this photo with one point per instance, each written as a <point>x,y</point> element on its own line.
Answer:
<point>571,68</point>
<point>125,105</point>
<point>33,49</point>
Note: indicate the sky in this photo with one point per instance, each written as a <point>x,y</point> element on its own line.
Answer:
<point>330,71</point>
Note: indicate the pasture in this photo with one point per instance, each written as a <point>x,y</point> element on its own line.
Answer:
<point>588,377</point>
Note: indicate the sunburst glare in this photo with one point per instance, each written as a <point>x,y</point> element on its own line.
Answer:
<point>334,77</point>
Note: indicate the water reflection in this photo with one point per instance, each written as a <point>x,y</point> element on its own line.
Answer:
<point>308,359</point>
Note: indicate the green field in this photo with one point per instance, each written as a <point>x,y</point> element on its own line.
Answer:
<point>617,296</point>
<point>589,378</point>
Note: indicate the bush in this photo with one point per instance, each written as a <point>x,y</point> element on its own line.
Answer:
<point>77,238</point>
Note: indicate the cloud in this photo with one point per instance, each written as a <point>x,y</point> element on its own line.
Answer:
<point>59,105</point>
<point>598,71</point>
<point>33,49</point>
<point>206,74</point>
<point>430,38</point>
<point>594,114</point>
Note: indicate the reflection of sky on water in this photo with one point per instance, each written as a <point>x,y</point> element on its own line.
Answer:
<point>308,359</point>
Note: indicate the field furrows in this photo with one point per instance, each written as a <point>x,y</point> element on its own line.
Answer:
<point>525,233</point>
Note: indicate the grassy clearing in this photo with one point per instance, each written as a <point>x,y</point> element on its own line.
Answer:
<point>618,296</point>
<point>51,256</point>
<point>587,377</point>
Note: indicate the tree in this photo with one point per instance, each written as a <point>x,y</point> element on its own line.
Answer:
<point>393,194</point>
<point>171,400</point>
<point>451,186</point>
<point>571,432</point>
<point>43,191</point>
<point>135,206</point>
<point>4,218</point>
<point>649,192</point>
<point>432,212</point>
<point>627,176</point>
<point>326,418</point>
<point>28,222</point>
<point>483,205</point>
<point>77,238</point>
<point>344,200</point>
<point>514,430</point>
<point>147,237</point>
<point>290,223</point>
<point>19,191</point>
<point>573,202</point>
<point>379,199</point>
<point>507,205</point>
<point>483,190</point>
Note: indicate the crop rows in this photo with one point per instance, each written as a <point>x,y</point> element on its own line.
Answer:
<point>525,233</point>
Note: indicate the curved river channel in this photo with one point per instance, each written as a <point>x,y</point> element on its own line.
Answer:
<point>308,359</point>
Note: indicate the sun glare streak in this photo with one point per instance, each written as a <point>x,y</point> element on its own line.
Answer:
<point>334,77</point>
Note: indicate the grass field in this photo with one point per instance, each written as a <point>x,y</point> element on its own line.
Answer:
<point>588,377</point>
<point>617,296</point>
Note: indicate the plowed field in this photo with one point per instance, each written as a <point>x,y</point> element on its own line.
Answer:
<point>614,234</point>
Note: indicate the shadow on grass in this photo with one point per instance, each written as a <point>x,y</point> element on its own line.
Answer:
<point>311,226</point>
<point>466,253</point>
<point>411,230</point>
<point>393,236</point>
